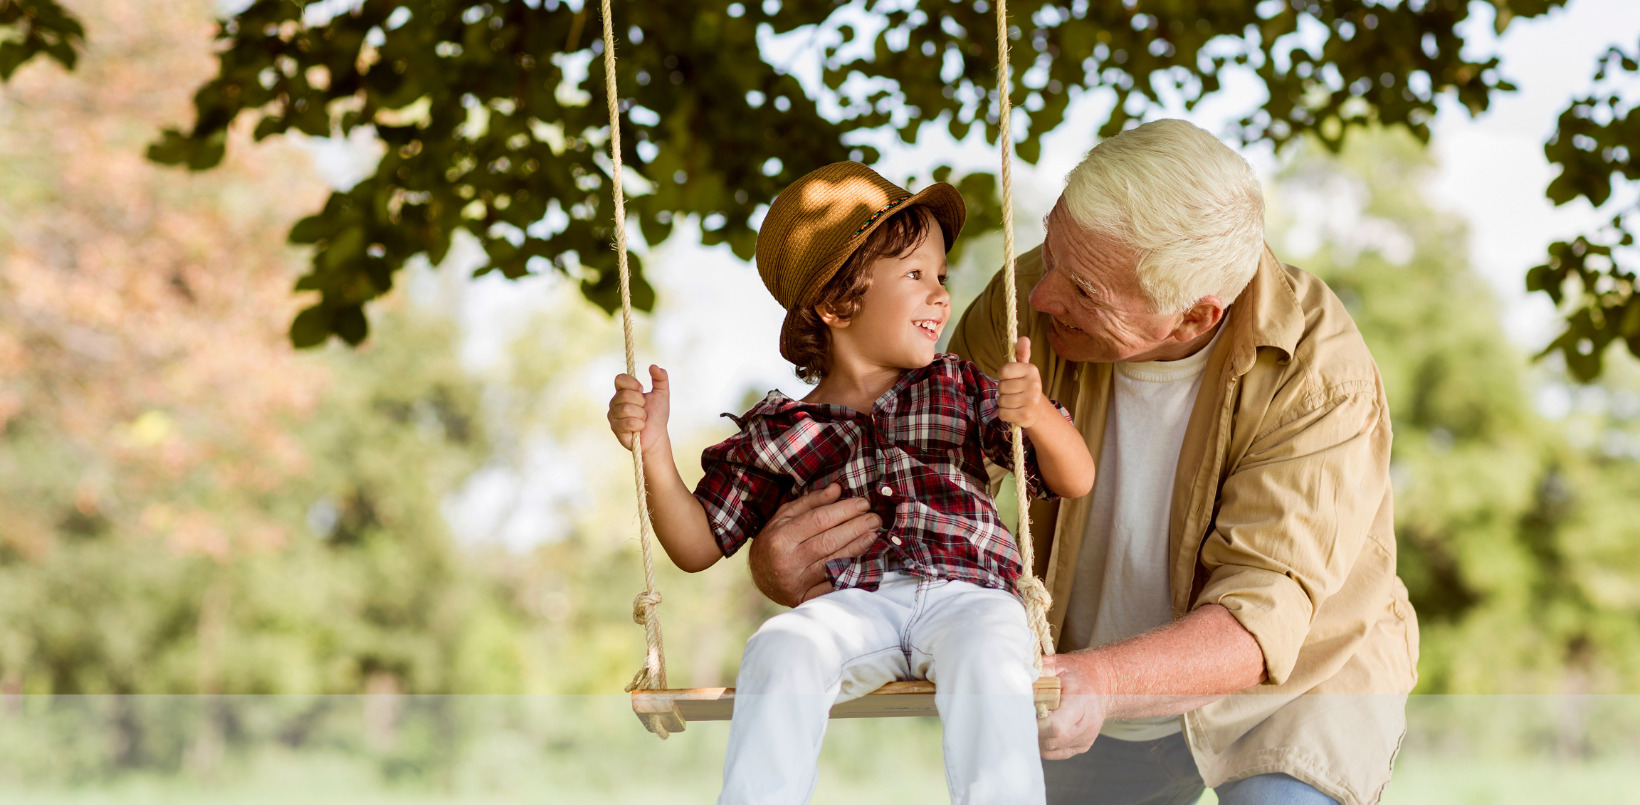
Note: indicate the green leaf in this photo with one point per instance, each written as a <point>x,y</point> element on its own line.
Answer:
<point>311,229</point>
<point>1630,327</point>
<point>1030,151</point>
<point>172,149</point>
<point>350,324</point>
<point>12,56</point>
<point>269,126</point>
<point>343,249</point>
<point>604,289</point>
<point>208,153</point>
<point>311,327</point>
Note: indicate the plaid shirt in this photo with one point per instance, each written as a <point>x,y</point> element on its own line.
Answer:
<point>918,457</point>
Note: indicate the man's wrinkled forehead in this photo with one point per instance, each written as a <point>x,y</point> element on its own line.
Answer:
<point>1067,228</point>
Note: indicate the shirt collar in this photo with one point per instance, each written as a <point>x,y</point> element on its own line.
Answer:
<point>776,403</point>
<point>1266,314</point>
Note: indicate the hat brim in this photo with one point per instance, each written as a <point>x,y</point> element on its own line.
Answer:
<point>939,198</point>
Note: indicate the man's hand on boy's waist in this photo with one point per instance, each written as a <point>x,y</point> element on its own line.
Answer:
<point>788,558</point>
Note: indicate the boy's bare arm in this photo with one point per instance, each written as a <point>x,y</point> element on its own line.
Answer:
<point>679,519</point>
<point>1061,454</point>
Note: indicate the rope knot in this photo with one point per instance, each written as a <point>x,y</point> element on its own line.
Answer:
<point>1035,594</point>
<point>1037,603</point>
<point>643,607</point>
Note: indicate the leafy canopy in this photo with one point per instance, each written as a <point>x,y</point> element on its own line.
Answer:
<point>492,114</point>
<point>30,28</point>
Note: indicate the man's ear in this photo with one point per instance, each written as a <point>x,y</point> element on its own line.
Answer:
<point>1202,317</point>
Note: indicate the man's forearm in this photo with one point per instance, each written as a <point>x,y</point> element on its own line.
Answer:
<point>1193,661</point>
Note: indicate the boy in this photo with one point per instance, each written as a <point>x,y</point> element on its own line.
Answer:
<point>859,265</point>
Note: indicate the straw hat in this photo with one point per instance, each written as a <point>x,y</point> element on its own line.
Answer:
<point>819,220</point>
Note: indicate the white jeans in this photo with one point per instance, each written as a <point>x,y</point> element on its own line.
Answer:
<point>971,641</point>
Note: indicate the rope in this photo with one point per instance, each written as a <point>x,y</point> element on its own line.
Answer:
<point>1031,589</point>
<point>652,675</point>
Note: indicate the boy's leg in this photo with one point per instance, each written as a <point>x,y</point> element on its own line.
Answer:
<point>974,644</point>
<point>796,666</point>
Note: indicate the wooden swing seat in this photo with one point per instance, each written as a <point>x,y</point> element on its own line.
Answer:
<point>679,706</point>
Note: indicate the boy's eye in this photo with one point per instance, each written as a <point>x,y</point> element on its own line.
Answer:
<point>944,278</point>
<point>915,273</point>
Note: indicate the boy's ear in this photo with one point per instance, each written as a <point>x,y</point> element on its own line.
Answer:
<point>830,316</point>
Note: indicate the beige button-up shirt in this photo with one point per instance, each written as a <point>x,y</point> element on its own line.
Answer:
<point>1281,513</point>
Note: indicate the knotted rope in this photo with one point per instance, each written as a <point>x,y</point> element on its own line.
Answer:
<point>1031,589</point>
<point>652,676</point>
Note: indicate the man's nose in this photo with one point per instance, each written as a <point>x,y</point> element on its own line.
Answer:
<point>1045,296</point>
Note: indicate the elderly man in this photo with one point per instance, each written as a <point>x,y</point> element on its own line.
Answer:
<point>1225,600</point>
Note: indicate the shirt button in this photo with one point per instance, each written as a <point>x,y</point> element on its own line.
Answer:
<point>887,490</point>
<point>895,540</point>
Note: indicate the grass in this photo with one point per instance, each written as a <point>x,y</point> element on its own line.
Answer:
<point>568,750</point>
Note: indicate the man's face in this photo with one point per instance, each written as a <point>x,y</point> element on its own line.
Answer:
<point>1091,290</point>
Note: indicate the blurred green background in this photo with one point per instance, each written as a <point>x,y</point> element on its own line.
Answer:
<point>231,572</point>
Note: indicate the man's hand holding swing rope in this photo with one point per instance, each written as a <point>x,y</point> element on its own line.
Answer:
<point>788,559</point>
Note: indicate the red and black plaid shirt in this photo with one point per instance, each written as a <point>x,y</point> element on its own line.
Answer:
<point>918,457</point>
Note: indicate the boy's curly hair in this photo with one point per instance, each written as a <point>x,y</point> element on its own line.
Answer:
<point>845,291</point>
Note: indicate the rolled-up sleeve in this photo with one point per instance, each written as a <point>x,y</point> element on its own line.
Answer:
<point>1294,515</point>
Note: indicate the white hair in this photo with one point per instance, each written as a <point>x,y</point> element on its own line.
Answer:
<point>1186,203</point>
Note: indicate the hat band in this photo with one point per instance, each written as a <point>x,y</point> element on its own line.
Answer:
<point>878,214</point>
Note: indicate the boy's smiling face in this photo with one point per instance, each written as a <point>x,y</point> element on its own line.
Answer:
<point>901,315</point>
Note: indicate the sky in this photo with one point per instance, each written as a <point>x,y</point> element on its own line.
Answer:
<point>715,327</point>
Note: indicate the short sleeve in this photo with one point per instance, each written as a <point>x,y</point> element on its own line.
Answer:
<point>739,500</point>
<point>996,439</point>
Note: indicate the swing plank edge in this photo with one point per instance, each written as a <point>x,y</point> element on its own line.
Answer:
<point>913,698</point>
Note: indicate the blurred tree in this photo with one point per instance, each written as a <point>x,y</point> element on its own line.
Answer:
<point>1517,541</point>
<point>186,506</point>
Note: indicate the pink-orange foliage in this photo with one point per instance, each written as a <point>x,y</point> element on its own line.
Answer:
<point>143,308</point>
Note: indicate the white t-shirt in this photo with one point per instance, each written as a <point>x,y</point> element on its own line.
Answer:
<point>1124,551</point>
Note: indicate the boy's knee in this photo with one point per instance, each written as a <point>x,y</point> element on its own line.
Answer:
<point>994,641</point>
<point>991,661</point>
<point>793,645</point>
